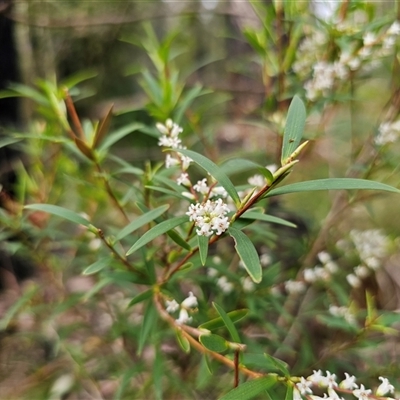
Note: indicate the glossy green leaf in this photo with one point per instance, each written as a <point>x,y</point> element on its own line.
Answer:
<point>214,342</point>
<point>148,324</point>
<point>156,231</point>
<point>250,389</point>
<point>141,297</point>
<point>217,323</point>
<point>142,220</point>
<point>247,253</point>
<point>332,184</point>
<point>294,128</point>
<point>182,341</point>
<point>228,322</point>
<point>203,248</point>
<point>97,266</point>
<point>60,212</point>
<point>214,171</point>
<point>266,218</point>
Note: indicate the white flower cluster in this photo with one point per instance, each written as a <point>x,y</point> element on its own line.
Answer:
<point>343,312</point>
<point>329,381</point>
<point>310,56</point>
<point>170,138</point>
<point>210,218</point>
<point>189,304</point>
<point>388,132</point>
<point>321,272</point>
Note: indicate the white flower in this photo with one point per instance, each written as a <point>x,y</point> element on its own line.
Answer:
<point>385,387</point>
<point>353,280</point>
<point>296,394</point>
<point>210,217</point>
<point>256,180</point>
<point>324,257</point>
<point>394,29</point>
<point>225,285</point>
<point>331,267</point>
<point>190,302</point>
<point>272,168</point>
<point>309,275</point>
<point>349,383</point>
<point>170,161</point>
<point>361,271</point>
<point>212,272</point>
<point>333,395</point>
<point>331,379</point>
<point>183,317</point>
<point>294,286</point>
<point>369,39</point>
<point>316,377</point>
<point>265,259</point>
<point>183,179</point>
<point>201,186</point>
<point>185,161</point>
<point>362,393</point>
<point>304,386</point>
<point>219,191</point>
<point>248,284</point>
<point>188,195</point>
<point>172,306</point>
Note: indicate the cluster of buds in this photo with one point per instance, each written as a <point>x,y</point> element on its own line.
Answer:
<point>347,385</point>
<point>187,305</point>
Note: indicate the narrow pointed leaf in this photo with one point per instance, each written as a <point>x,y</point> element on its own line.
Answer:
<point>214,171</point>
<point>142,220</point>
<point>102,128</point>
<point>247,253</point>
<point>149,321</point>
<point>203,248</point>
<point>214,343</point>
<point>277,364</point>
<point>332,184</point>
<point>289,393</point>
<point>97,266</point>
<point>267,218</point>
<point>228,323</point>
<point>84,148</point>
<point>217,323</point>
<point>250,389</point>
<point>294,128</point>
<point>60,212</point>
<point>141,297</point>
<point>156,231</point>
<point>119,134</point>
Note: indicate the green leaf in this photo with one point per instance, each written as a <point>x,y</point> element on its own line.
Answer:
<point>182,341</point>
<point>102,128</point>
<point>60,212</point>
<point>332,184</point>
<point>7,141</point>
<point>289,393</point>
<point>278,365</point>
<point>214,342</point>
<point>12,311</point>
<point>203,248</point>
<point>119,134</point>
<point>267,218</point>
<point>79,77</point>
<point>149,321</point>
<point>97,266</point>
<point>228,323</point>
<point>141,297</point>
<point>179,195</point>
<point>217,323</point>
<point>185,102</point>
<point>214,171</point>
<point>156,231</point>
<point>247,253</point>
<point>250,389</point>
<point>142,220</point>
<point>294,128</point>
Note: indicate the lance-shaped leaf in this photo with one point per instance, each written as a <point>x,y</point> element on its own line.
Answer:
<point>156,231</point>
<point>141,297</point>
<point>97,266</point>
<point>228,323</point>
<point>102,128</point>
<point>182,341</point>
<point>60,212</point>
<point>247,253</point>
<point>266,218</point>
<point>250,389</point>
<point>332,184</point>
<point>203,248</point>
<point>294,128</point>
<point>214,171</point>
<point>217,323</point>
<point>142,220</point>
